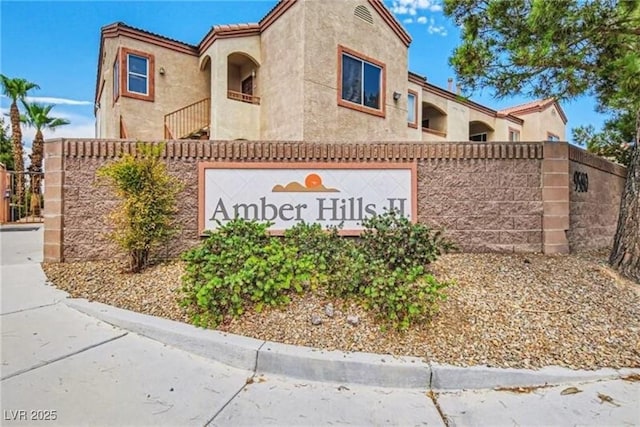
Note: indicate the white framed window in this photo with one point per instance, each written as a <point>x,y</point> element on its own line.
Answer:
<point>412,109</point>
<point>478,137</point>
<point>137,74</point>
<point>552,137</point>
<point>361,82</point>
<point>514,135</point>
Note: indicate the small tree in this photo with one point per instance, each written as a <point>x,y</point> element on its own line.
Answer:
<point>16,89</point>
<point>145,217</point>
<point>37,116</point>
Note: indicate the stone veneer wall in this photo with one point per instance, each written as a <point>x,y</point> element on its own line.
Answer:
<point>594,212</point>
<point>490,197</point>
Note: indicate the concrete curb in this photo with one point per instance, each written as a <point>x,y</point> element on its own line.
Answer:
<point>448,377</point>
<point>233,350</point>
<point>265,357</point>
<point>337,366</point>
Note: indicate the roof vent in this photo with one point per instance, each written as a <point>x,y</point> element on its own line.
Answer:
<point>363,13</point>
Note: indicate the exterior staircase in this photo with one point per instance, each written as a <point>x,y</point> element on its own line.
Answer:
<point>190,122</point>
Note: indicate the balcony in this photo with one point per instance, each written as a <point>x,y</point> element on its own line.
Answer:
<point>243,97</point>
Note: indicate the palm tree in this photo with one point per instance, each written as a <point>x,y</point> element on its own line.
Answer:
<point>37,116</point>
<point>15,89</point>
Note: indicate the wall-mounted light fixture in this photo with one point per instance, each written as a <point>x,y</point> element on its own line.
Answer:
<point>161,71</point>
<point>396,96</point>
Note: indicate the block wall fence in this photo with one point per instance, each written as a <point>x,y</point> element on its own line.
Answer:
<point>489,197</point>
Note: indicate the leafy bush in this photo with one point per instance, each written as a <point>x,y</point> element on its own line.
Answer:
<point>402,297</point>
<point>394,282</point>
<point>338,261</point>
<point>393,239</point>
<point>240,264</point>
<point>145,217</point>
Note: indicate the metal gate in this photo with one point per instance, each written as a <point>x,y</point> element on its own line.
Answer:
<point>22,197</point>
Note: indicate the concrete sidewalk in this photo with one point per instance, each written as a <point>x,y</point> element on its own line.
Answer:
<point>70,368</point>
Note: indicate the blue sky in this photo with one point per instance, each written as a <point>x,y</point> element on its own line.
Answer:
<point>55,44</point>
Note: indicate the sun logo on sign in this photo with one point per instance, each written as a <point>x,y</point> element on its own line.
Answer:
<point>312,183</point>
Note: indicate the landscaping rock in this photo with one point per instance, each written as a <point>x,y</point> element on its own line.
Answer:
<point>353,320</point>
<point>316,320</point>
<point>328,310</point>
<point>565,310</point>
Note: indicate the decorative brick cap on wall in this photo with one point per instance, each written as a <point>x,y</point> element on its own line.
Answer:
<point>308,151</point>
<point>581,156</point>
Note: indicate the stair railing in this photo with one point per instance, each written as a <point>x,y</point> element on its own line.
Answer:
<point>187,120</point>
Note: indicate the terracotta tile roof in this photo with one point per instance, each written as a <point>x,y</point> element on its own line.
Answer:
<point>117,25</point>
<point>538,103</point>
<point>535,106</point>
<point>233,27</point>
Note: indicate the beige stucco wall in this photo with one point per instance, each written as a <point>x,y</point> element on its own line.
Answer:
<point>297,82</point>
<point>182,84</point>
<point>539,123</point>
<point>233,119</point>
<point>457,121</point>
<point>108,114</point>
<point>324,29</point>
<point>281,71</point>
<point>502,129</point>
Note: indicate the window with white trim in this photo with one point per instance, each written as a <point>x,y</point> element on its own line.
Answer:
<point>552,137</point>
<point>361,82</point>
<point>137,74</point>
<point>514,135</point>
<point>412,109</point>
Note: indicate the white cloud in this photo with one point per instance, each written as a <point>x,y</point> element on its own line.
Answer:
<point>437,29</point>
<point>54,100</point>
<point>57,101</point>
<point>411,7</point>
<point>415,10</point>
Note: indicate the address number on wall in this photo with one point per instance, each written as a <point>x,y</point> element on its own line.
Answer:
<point>581,182</point>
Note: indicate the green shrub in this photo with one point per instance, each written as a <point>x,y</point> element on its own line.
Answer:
<point>394,283</point>
<point>393,239</point>
<point>240,265</point>
<point>335,257</point>
<point>145,216</point>
<point>399,296</point>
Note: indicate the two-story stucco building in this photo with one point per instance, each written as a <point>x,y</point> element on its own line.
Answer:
<point>308,71</point>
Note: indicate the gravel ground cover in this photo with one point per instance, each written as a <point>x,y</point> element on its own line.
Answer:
<point>506,310</point>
